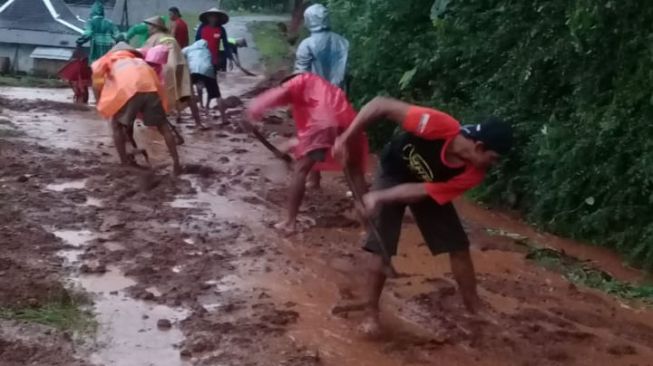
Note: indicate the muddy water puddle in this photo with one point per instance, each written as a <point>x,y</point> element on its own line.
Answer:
<point>60,187</point>
<point>128,333</point>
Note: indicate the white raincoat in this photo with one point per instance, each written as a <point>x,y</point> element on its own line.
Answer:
<point>323,53</point>
<point>199,59</point>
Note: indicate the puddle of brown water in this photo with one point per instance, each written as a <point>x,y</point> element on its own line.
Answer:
<point>60,187</point>
<point>128,333</point>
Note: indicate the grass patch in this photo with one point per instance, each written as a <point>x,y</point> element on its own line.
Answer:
<point>586,274</point>
<point>65,314</point>
<point>271,43</point>
<point>31,82</point>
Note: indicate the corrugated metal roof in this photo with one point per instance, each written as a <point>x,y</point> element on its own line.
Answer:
<point>39,15</point>
<point>51,53</point>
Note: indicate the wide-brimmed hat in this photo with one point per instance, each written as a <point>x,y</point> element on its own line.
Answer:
<point>224,17</point>
<point>157,22</point>
<point>123,46</point>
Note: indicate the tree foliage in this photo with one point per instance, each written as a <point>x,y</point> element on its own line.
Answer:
<point>573,77</point>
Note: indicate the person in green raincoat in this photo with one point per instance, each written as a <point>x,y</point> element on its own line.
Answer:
<point>138,34</point>
<point>101,32</point>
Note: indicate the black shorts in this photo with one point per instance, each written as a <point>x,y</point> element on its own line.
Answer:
<point>439,224</point>
<point>318,156</point>
<point>211,85</point>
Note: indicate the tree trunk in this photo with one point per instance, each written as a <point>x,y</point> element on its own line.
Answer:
<point>297,15</point>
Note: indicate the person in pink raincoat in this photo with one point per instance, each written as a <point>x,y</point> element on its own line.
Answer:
<point>321,112</point>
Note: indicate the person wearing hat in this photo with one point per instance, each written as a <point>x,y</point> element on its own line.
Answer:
<point>425,166</point>
<point>177,81</point>
<point>132,88</point>
<point>213,32</point>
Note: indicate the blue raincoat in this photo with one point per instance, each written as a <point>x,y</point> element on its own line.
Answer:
<point>199,59</point>
<point>324,53</point>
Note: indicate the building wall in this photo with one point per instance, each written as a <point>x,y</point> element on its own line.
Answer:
<point>43,67</point>
<point>19,56</point>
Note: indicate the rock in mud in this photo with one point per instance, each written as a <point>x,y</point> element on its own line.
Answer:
<point>94,267</point>
<point>163,324</point>
<point>22,178</point>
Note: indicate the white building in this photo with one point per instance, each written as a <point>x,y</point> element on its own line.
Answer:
<point>38,36</point>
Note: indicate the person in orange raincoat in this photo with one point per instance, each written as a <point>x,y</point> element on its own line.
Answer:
<point>321,112</point>
<point>131,87</point>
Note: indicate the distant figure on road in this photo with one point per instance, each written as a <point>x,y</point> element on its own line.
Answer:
<point>212,31</point>
<point>178,27</point>
<point>132,87</point>
<point>324,53</point>
<point>176,73</point>
<point>101,32</point>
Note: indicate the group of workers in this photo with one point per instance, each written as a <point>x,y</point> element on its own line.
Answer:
<point>430,162</point>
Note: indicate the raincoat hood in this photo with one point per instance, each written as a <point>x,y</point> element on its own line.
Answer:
<point>316,18</point>
<point>97,10</point>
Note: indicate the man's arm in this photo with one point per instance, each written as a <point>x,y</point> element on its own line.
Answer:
<point>380,108</point>
<point>225,43</point>
<point>403,193</point>
<point>303,57</point>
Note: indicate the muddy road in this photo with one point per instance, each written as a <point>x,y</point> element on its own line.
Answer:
<point>188,271</point>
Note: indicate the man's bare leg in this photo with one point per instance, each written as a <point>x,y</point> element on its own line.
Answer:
<point>166,132</point>
<point>194,109</point>
<point>313,180</point>
<point>375,280</point>
<point>119,140</point>
<point>297,189</point>
<point>220,106</point>
<point>463,271</point>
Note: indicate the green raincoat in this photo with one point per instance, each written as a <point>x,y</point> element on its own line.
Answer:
<point>138,34</point>
<point>101,32</point>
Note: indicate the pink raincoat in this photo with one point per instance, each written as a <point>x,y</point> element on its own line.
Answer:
<point>156,57</point>
<point>321,112</point>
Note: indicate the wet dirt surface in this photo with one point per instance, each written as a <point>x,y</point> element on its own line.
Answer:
<point>186,271</point>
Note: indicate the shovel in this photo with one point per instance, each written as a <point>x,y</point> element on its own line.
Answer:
<point>278,153</point>
<point>388,269</point>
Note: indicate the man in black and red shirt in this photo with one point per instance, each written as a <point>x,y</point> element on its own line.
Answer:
<point>425,167</point>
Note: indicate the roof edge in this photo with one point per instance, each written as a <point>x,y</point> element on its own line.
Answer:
<point>55,16</point>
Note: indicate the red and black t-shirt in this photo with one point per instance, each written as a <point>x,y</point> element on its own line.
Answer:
<point>418,153</point>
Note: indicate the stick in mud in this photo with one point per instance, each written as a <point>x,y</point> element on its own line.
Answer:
<point>283,156</point>
<point>389,269</point>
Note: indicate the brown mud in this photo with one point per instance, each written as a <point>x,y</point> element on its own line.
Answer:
<point>202,243</point>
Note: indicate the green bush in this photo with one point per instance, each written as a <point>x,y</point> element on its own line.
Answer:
<point>573,77</point>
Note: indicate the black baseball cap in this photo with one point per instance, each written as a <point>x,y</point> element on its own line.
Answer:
<point>493,132</point>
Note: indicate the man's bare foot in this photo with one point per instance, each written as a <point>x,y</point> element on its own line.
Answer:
<point>370,327</point>
<point>287,228</point>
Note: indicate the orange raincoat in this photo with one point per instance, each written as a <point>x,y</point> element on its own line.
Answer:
<point>125,74</point>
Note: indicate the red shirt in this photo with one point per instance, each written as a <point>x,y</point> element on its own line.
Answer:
<point>425,154</point>
<point>181,33</point>
<point>212,36</point>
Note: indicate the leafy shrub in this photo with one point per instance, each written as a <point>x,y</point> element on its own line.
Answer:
<point>572,77</point>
